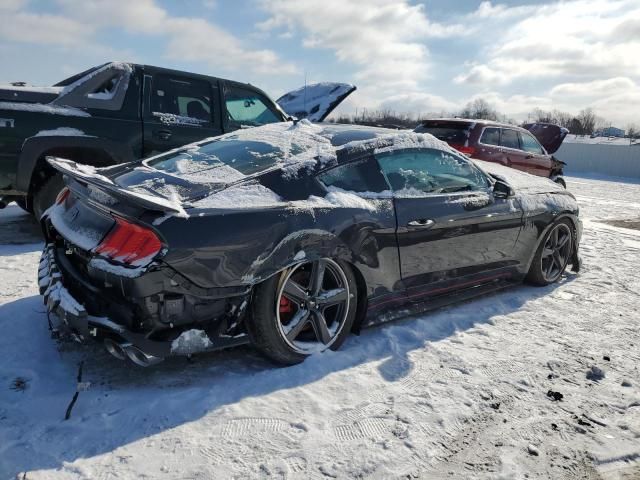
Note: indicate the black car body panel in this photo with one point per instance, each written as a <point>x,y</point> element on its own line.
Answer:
<point>419,252</point>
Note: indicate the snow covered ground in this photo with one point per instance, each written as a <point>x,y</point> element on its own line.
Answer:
<point>457,393</point>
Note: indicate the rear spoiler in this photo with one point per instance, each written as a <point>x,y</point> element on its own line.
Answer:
<point>87,174</point>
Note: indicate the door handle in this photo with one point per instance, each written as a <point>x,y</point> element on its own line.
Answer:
<point>421,223</point>
<point>163,134</point>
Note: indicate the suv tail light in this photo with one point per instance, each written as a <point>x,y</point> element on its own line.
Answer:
<point>468,151</point>
<point>129,243</point>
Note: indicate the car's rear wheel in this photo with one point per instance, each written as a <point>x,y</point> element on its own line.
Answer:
<point>305,309</point>
<point>553,254</point>
<point>46,195</point>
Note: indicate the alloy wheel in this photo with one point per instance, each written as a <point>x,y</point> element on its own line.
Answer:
<point>312,305</point>
<point>556,252</point>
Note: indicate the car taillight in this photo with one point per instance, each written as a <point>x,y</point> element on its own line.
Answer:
<point>468,151</point>
<point>62,196</point>
<point>129,243</point>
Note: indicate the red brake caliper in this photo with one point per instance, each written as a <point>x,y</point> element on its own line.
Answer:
<point>285,305</point>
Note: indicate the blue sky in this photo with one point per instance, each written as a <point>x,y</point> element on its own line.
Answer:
<point>427,57</point>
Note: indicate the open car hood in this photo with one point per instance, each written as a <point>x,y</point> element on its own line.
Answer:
<point>316,101</point>
<point>548,134</point>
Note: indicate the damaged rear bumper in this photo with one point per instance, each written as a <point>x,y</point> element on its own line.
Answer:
<point>73,317</point>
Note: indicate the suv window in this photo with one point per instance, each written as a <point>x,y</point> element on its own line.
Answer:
<point>452,133</point>
<point>182,96</point>
<point>530,144</point>
<point>359,176</point>
<point>248,107</point>
<point>509,139</point>
<point>490,136</point>
<point>432,171</point>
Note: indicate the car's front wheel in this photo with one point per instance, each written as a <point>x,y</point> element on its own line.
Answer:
<point>307,308</point>
<point>553,254</point>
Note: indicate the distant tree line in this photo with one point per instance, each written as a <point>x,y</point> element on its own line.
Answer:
<point>584,123</point>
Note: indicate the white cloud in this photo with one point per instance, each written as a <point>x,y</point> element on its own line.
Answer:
<point>575,38</point>
<point>186,38</point>
<point>384,39</point>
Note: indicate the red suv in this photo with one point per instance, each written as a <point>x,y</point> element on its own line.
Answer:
<point>528,149</point>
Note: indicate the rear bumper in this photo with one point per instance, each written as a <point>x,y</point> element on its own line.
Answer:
<point>73,314</point>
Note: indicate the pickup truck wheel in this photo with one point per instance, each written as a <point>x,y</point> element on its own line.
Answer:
<point>46,195</point>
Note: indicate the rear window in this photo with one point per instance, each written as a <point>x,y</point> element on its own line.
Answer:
<point>244,156</point>
<point>452,133</point>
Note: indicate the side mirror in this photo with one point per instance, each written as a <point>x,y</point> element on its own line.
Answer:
<point>502,189</point>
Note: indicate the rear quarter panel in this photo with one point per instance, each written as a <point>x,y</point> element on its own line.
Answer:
<point>245,247</point>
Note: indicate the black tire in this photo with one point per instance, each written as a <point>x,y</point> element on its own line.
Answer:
<point>266,329</point>
<point>547,268</point>
<point>46,195</point>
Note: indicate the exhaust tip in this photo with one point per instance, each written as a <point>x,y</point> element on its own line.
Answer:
<point>140,358</point>
<point>115,349</point>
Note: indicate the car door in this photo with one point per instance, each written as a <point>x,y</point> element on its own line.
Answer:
<point>179,110</point>
<point>247,107</point>
<point>451,229</point>
<point>489,148</point>
<point>512,154</point>
<point>538,160</point>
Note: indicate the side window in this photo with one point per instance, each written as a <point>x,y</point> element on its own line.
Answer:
<point>510,139</point>
<point>107,89</point>
<point>247,107</point>
<point>530,144</point>
<point>182,97</point>
<point>413,172</point>
<point>490,136</point>
<point>360,176</point>
<point>104,88</point>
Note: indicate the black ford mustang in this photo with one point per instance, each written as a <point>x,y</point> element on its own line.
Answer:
<point>290,236</point>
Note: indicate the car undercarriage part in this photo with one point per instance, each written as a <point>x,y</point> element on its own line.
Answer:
<point>4,201</point>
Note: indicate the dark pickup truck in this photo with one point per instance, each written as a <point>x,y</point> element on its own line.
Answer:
<point>120,112</point>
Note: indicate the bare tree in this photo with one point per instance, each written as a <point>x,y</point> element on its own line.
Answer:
<point>633,132</point>
<point>480,109</point>
<point>588,120</point>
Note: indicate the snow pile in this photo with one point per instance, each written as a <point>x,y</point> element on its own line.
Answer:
<point>62,132</point>
<point>44,108</point>
<point>191,341</point>
<point>251,195</point>
<point>83,237</point>
<point>337,199</point>
<point>173,119</point>
<point>120,270</point>
<point>399,141</point>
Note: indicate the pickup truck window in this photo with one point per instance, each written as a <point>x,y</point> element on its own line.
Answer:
<point>183,97</point>
<point>249,108</point>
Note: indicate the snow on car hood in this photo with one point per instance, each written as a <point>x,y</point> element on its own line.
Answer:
<point>521,182</point>
<point>316,101</point>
